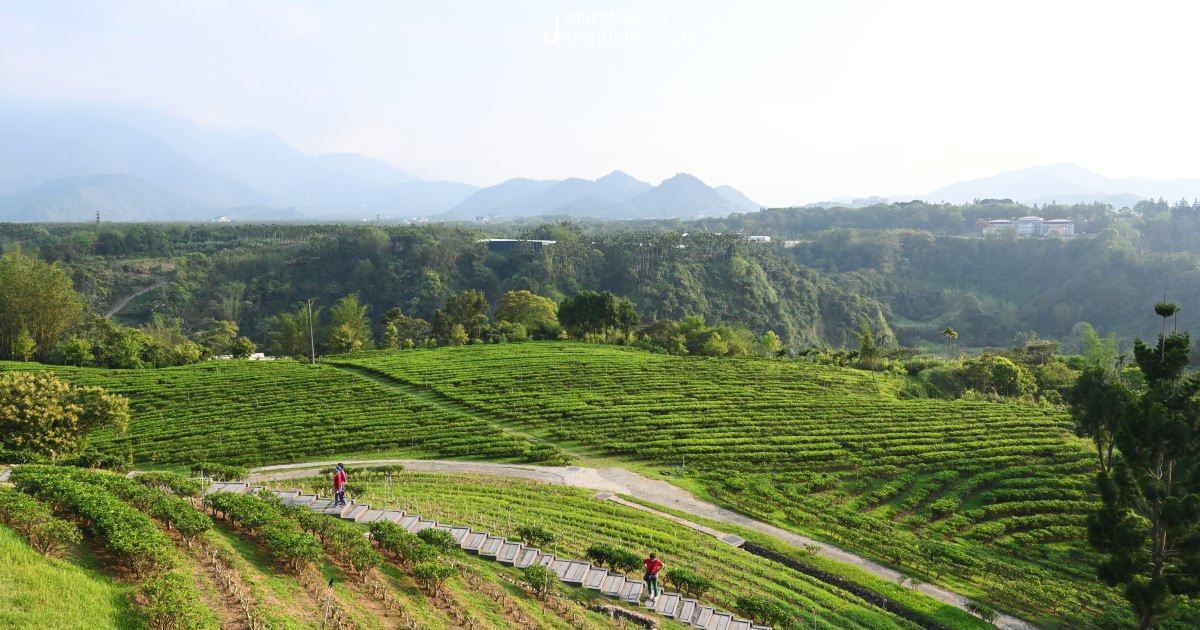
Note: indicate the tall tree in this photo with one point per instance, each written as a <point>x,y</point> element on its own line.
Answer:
<point>38,298</point>
<point>537,314</point>
<point>349,329</point>
<point>1149,524</point>
<point>287,333</point>
<point>44,415</point>
<point>467,309</point>
<point>1098,403</point>
<point>589,312</point>
<point>950,334</point>
<point>217,338</point>
<point>414,329</point>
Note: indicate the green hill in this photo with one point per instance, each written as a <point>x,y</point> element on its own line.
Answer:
<point>266,568</point>
<point>987,498</point>
<point>580,519</point>
<point>276,411</point>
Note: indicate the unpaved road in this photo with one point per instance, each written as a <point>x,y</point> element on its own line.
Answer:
<point>622,481</point>
<point>116,308</point>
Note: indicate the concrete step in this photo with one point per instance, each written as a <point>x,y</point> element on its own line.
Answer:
<point>303,499</point>
<point>703,615</point>
<point>458,533</point>
<point>392,516</point>
<point>741,624</point>
<point>491,546</point>
<point>338,510</point>
<point>508,552</point>
<point>319,504</point>
<point>575,572</point>
<point>687,611</point>
<point>471,542</point>
<point>612,584</point>
<point>559,566</point>
<point>546,559</point>
<point>631,590</point>
<point>421,524</point>
<point>527,558</point>
<point>370,516</point>
<point>760,628</point>
<point>237,487</point>
<point>719,621</point>
<point>667,604</point>
<point>406,521</point>
<point>594,578</point>
<point>286,495</point>
<point>356,511</point>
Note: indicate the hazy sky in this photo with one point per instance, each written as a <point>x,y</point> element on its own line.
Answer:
<point>788,101</point>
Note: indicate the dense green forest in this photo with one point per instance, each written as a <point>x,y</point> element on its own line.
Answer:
<point>908,270</point>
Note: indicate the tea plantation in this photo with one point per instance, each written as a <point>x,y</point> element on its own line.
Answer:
<point>987,498</point>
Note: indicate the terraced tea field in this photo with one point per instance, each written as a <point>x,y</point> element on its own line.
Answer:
<point>272,411</point>
<point>265,570</point>
<point>501,505</point>
<point>987,498</point>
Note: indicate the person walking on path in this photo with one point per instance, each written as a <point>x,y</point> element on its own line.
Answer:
<point>339,485</point>
<point>653,566</point>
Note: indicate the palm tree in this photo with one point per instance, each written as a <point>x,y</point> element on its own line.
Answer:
<point>1165,309</point>
<point>950,334</point>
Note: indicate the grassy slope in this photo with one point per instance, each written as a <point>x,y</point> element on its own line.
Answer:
<point>823,450</point>
<point>41,592</point>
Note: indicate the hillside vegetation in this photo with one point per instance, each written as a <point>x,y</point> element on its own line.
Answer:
<point>987,497</point>
<point>254,565</point>
<point>273,411</point>
<point>580,521</point>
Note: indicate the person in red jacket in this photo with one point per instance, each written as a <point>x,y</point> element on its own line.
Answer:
<point>653,566</point>
<point>339,485</point>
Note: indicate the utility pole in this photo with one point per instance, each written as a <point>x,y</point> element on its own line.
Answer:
<point>312,346</point>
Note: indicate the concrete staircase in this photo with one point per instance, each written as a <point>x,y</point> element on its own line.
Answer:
<point>516,554</point>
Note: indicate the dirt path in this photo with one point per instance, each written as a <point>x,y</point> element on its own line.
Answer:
<point>116,308</point>
<point>621,481</point>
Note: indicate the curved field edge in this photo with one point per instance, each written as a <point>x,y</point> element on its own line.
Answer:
<point>998,490</point>
<point>908,596</point>
<point>37,591</point>
<point>501,504</point>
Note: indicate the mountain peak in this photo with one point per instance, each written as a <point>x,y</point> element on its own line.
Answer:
<point>683,177</point>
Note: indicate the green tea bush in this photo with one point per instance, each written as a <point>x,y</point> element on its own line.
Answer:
<point>34,521</point>
<point>170,602</point>
<point>536,535</point>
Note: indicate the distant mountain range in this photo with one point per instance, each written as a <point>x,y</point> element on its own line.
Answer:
<point>1066,183</point>
<point>135,164</point>
<point>614,196</point>
<point>1057,183</point>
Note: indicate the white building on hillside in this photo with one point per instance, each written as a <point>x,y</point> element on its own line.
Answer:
<point>1031,227</point>
<point>1058,227</point>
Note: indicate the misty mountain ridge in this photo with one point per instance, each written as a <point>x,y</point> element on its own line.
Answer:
<point>613,196</point>
<point>65,163</point>
<point>1064,183</point>
<point>50,160</point>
